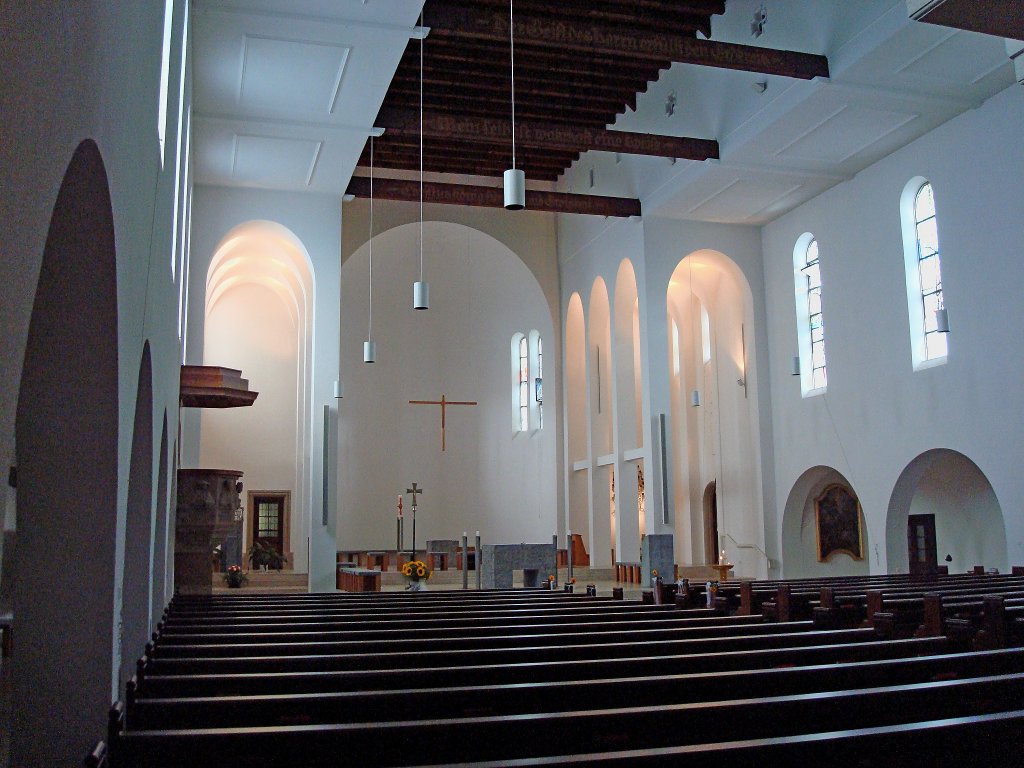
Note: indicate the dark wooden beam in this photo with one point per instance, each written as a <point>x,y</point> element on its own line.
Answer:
<point>492,197</point>
<point>555,136</point>
<point>449,20</point>
<point>1003,18</point>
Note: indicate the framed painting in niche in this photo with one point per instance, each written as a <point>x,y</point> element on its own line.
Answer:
<point>837,518</point>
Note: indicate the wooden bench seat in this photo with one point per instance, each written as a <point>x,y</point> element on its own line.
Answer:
<point>961,742</point>
<point>592,634</point>
<point>547,734</point>
<point>577,695</point>
<point>426,631</point>
<point>268,675</point>
<point>313,657</point>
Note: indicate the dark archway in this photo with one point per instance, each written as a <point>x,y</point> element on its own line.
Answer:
<point>138,537</point>
<point>67,453</point>
<point>159,593</point>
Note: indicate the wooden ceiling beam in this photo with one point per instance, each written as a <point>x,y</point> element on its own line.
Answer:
<point>553,136</point>
<point>492,197</point>
<point>454,21</point>
<point>495,105</point>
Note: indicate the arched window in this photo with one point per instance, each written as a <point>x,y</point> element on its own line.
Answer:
<point>810,319</point>
<point>924,274</point>
<point>538,384</point>
<point>524,384</point>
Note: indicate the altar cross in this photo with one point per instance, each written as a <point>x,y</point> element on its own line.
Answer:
<point>414,490</point>
<point>444,404</point>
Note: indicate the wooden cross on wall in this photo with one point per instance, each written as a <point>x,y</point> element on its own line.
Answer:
<point>444,404</point>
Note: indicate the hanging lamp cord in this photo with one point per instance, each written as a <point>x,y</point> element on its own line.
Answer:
<point>512,56</point>
<point>369,332</point>
<point>421,149</point>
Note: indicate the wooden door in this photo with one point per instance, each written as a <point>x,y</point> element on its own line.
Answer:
<point>921,550</point>
<point>268,521</point>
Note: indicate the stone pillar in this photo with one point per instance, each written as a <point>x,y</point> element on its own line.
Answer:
<point>206,506</point>
<point>658,555</point>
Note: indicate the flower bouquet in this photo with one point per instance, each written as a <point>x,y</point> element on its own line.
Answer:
<point>234,576</point>
<point>416,571</point>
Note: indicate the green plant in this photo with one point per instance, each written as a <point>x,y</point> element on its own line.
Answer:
<point>234,576</point>
<point>261,554</point>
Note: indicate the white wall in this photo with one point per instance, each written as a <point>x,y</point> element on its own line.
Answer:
<point>314,220</point>
<point>490,477</point>
<point>878,414</point>
<point>73,72</point>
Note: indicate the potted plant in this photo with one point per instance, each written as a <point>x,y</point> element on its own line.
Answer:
<point>417,572</point>
<point>264,556</point>
<point>235,577</point>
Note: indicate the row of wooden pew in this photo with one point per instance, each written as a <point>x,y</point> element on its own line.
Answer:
<point>535,677</point>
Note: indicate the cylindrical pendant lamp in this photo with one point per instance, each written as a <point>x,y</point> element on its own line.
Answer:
<point>942,320</point>
<point>515,189</point>
<point>421,295</point>
<point>695,398</point>
<point>369,351</point>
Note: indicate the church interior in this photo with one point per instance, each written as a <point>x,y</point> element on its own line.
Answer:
<point>635,279</point>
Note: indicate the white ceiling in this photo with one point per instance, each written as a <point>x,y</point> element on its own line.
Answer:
<point>286,91</point>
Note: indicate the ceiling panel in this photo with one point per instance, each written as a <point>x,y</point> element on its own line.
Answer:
<point>291,75</point>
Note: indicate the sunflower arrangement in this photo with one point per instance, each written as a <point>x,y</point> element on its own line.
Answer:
<point>416,571</point>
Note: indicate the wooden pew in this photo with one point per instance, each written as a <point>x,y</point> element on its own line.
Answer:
<point>455,701</point>
<point>567,652</point>
<point>291,675</point>
<point>546,734</point>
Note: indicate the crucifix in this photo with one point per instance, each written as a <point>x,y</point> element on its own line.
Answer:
<point>444,404</point>
<point>414,490</point>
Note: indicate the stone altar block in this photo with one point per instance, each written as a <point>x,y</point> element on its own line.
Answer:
<point>446,547</point>
<point>498,561</point>
<point>206,505</point>
<point>657,553</point>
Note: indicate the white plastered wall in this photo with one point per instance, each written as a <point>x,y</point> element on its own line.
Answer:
<point>314,221</point>
<point>490,476</point>
<point>878,413</point>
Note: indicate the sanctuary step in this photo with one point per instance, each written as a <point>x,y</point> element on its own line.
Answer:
<point>266,581</point>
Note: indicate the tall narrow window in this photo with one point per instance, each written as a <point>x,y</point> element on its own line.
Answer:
<point>815,322</point>
<point>929,270</point>
<point>810,318</point>
<point>928,344</point>
<point>538,384</point>
<point>524,384</point>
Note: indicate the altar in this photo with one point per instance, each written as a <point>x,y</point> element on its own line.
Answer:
<point>498,561</point>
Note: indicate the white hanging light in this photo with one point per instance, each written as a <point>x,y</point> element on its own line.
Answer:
<point>941,320</point>
<point>421,288</point>
<point>795,369</point>
<point>514,179</point>
<point>370,346</point>
<point>695,398</point>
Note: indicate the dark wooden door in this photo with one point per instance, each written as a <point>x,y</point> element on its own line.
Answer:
<point>268,521</point>
<point>921,550</point>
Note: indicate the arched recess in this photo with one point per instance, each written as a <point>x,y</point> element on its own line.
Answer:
<point>711,350</point>
<point>799,530</point>
<point>490,476</point>
<point>259,318</point>
<point>602,364</point>
<point>629,415</point>
<point>968,519</point>
<point>138,538</point>
<point>576,416</point>
<point>67,457</point>
<point>159,597</point>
